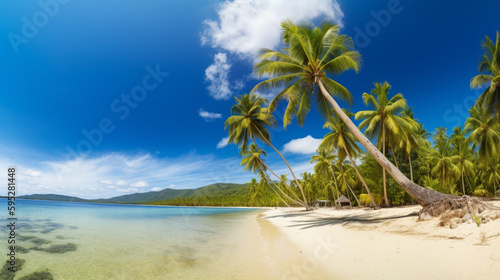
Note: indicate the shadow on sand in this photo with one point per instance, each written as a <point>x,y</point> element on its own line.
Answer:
<point>363,219</point>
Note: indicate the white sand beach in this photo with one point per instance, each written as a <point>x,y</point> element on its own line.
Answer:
<point>378,244</point>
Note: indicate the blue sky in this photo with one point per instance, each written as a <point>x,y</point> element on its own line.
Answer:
<point>103,98</point>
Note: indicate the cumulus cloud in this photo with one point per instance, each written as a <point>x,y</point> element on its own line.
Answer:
<point>208,116</point>
<point>217,75</point>
<point>107,182</point>
<point>33,173</point>
<point>121,183</point>
<point>222,143</point>
<point>245,26</point>
<point>140,184</point>
<point>156,189</point>
<point>303,146</point>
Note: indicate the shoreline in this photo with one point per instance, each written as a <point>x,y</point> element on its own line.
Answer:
<point>384,244</point>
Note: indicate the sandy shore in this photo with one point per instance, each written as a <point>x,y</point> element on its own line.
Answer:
<point>378,244</point>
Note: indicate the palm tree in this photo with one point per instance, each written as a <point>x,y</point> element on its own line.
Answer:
<point>253,162</point>
<point>385,120</point>
<point>444,162</point>
<point>341,138</point>
<point>249,120</point>
<point>323,166</point>
<point>490,174</point>
<point>461,149</point>
<point>415,138</point>
<point>484,133</point>
<point>255,192</point>
<point>300,71</point>
<point>490,66</point>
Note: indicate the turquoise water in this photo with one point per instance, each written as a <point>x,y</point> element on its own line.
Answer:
<point>72,240</point>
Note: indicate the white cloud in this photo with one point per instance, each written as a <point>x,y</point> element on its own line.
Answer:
<point>304,146</point>
<point>245,26</point>
<point>77,176</point>
<point>222,143</point>
<point>140,184</point>
<point>217,75</point>
<point>121,183</point>
<point>156,189</point>
<point>208,116</point>
<point>33,173</point>
<point>129,190</point>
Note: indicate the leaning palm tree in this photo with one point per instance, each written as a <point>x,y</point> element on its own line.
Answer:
<point>252,161</point>
<point>490,66</point>
<point>341,138</point>
<point>248,121</point>
<point>300,70</point>
<point>385,121</point>
<point>484,133</point>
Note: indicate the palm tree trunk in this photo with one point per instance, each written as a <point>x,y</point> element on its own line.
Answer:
<point>281,179</point>
<point>287,205</point>
<point>335,196</point>
<point>355,197</point>
<point>411,168</point>
<point>387,204</point>
<point>287,196</point>
<point>360,178</point>
<point>394,157</point>
<point>291,171</point>
<point>463,185</point>
<point>422,195</point>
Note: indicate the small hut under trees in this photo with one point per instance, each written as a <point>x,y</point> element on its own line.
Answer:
<point>343,202</point>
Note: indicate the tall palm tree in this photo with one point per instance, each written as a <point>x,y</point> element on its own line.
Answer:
<point>249,120</point>
<point>484,133</point>
<point>323,159</point>
<point>490,66</point>
<point>414,138</point>
<point>300,71</point>
<point>323,166</point>
<point>384,120</point>
<point>442,159</point>
<point>341,138</point>
<point>461,149</point>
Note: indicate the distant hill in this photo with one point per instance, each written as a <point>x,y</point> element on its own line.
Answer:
<point>210,191</point>
<point>55,197</point>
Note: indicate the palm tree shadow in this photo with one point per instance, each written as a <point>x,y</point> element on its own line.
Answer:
<point>363,219</point>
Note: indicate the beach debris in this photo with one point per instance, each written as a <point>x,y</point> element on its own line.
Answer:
<point>466,217</point>
<point>454,211</point>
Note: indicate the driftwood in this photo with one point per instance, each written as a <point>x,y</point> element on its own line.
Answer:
<point>456,210</point>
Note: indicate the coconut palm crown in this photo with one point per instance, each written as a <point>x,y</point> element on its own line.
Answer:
<point>310,54</point>
<point>489,64</point>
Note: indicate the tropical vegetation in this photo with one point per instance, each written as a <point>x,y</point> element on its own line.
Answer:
<point>424,167</point>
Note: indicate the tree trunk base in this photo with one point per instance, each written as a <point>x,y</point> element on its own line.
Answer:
<point>454,211</point>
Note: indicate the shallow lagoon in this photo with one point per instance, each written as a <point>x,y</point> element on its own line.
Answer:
<point>72,240</point>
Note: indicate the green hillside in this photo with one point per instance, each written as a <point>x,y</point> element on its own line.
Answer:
<point>212,195</point>
<point>55,197</point>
